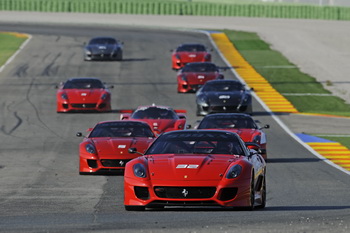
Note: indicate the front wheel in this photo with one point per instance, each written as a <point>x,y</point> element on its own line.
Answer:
<point>263,196</point>
<point>252,194</point>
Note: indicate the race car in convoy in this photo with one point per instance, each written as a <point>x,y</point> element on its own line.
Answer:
<point>240,123</point>
<point>160,118</point>
<point>189,52</point>
<point>103,48</point>
<point>194,75</point>
<point>196,168</point>
<point>83,94</point>
<point>105,148</point>
<point>217,96</point>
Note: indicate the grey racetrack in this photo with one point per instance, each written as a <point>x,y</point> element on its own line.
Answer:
<point>41,190</point>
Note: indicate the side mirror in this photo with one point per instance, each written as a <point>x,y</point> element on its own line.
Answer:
<point>133,150</point>
<point>266,126</point>
<point>262,151</point>
<point>79,134</point>
<point>252,145</point>
<point>188,126</point>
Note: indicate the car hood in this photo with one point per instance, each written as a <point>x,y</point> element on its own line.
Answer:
<point>246,134</point>
<point>85,95</point>
<point>226,97</point>
<point>109,147</point>
<point>189,167</point>
<point>187,57</point>
<point>199,78</point>
<point>161,125</point>
<point>101,47</point>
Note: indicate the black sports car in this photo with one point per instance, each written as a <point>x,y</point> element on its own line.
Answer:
<point>103,48</point>
<point>217,96</point>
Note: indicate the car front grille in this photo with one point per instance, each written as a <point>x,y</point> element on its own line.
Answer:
<point>184,192</point>
<point>114,162</point>
<point>83,105</point>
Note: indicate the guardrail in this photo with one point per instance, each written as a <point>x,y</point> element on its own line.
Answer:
<point>179,8</point>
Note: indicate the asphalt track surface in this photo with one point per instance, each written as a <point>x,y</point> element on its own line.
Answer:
<point>41,190</point>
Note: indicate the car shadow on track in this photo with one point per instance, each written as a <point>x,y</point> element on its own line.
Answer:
<point>294,160</point>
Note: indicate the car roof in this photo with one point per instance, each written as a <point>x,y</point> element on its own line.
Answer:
<point>223,81</point>
<point>83,78</point>
<point>125,121</point>
<point>227,114</point>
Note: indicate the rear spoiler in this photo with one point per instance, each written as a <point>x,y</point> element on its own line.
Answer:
<point>181,113</point>
<point>125,114</point>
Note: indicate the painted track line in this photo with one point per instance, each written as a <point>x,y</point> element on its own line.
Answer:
<point>29,37</point>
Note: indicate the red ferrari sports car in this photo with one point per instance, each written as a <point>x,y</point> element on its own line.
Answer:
<point>193,75</point>
<point>83,94</point>
<point>105,149</point>
<point>160,118</point>
<point>186,53</point>
<point>196,168</point>
<point>240,123</point>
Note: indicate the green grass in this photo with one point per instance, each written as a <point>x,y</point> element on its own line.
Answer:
<point>285,77</point>
<point>9,44</point>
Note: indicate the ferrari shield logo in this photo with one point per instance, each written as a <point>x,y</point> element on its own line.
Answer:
<point>184,192</point>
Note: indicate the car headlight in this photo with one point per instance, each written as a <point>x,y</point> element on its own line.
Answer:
<point>234,171</point>
<point>64,96</point>
<point>88,52</point>
<point>203,101</point>
<point>140,170</point>
<point>183,77</point>
<point>257,139</point>
<point>90,148</point>
<point>104,96</point>
<point>177,56</point>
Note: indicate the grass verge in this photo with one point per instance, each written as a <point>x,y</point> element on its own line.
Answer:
<point>9,44</point>
<point>286,78</point>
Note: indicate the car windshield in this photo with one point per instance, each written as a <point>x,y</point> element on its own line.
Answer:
<point>197,143</point>
<point>121,129</point>
<point>102,41</point>
<point>191,48</point>
<point>227,122</point>
<point>154,113</point>
<point>200,67</point>
<point>83,84</point>
<point>223,86</point>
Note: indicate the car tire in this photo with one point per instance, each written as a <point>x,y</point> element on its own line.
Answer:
<point>263,196</point>
<point>198,112</point>
<point>120,55</point>
<point>252,194</point>
<point>134,208</point>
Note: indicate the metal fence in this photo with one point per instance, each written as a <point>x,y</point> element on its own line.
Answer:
<point>315,2</point>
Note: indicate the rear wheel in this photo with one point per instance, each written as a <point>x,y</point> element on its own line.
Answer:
<point>134,208</point>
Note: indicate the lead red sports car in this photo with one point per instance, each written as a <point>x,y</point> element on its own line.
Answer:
<point>189,52</point>
<point>83,94</point>
<point>105,149</point>
<point>193,75</point>
<point>240,123</point>
<point>196,168</point>
<point>160,118</point>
